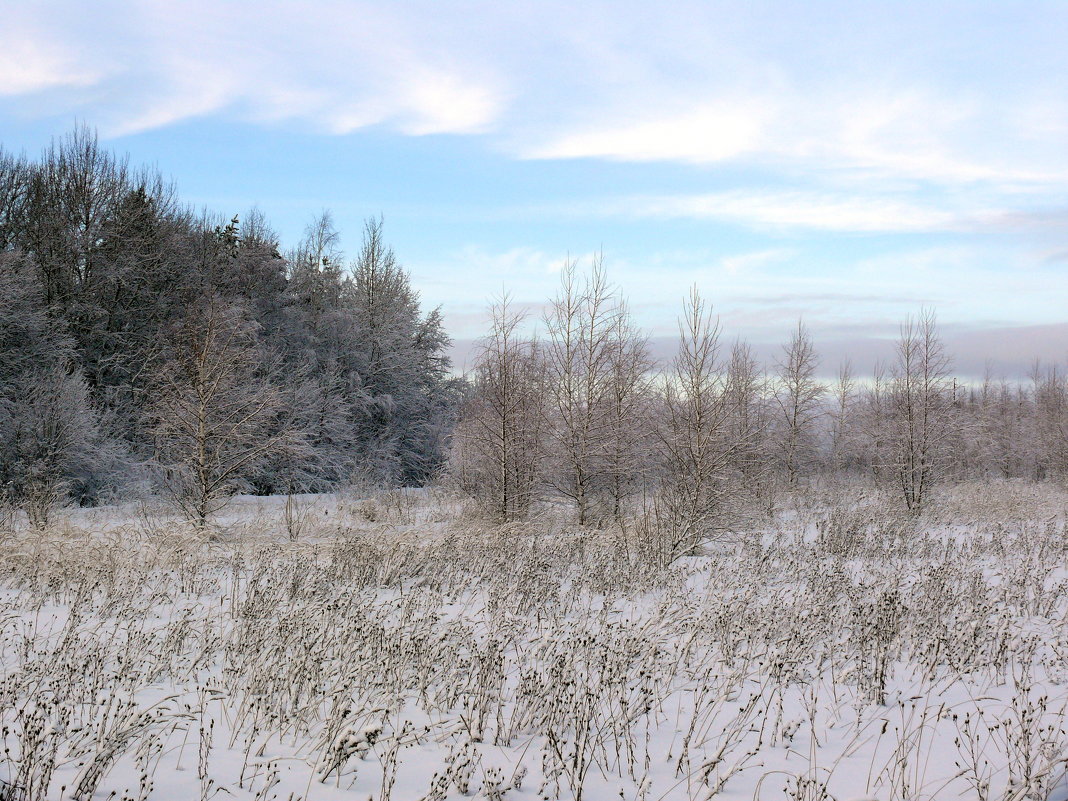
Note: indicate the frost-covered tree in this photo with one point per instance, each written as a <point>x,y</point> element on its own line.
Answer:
<point>798,399</point>
<point>696,449</point>
<point>400,356</point>
<point>317,281</point>
<point>50,443</point>
<point>748,394</point>
<point>629,413</point>
<point>843,414</point>
<point>1048,422</point>
<point>920,409</point>
<point>581,354</point>
<point>53,440</point>
<point>499,447</point>
<point>119,262</point>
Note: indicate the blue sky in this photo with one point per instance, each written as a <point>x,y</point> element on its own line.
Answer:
<point>848,162</point>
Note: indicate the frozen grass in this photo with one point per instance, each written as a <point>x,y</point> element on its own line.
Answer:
<point>396,649</point>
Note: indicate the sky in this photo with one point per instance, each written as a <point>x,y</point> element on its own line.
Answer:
<point>846,163</point>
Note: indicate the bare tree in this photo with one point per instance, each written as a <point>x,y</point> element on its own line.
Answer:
<point>874,422</point>
<point>798,399</point>
<point>499,443</point>
<point>843,412</point>
<point>1008,430</point>
<point>994,435</point>
<point>213,410</point>
<point>73,193</point>
<point>14,197</point>
<point>628,413</point>
<point>695,496</point>
<point>581,323</point>
<point>748,396</point>
<point>920,408</point>
<point>1048,421</point>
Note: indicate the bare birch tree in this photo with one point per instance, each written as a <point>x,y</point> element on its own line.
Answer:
<point>1048,421</point>
<point>581,325</point>
<point>920,408</point>
<point>628,413</point>
<point>799,402</point>
<point>748,394</point>
<point>843,423</point>
<point>695,448</point>
<point>499,442</point>
<point>213,410</point>
<point>874,423</point>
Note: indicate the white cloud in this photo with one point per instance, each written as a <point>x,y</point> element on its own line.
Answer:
<point>743,263</point>
<point>807,210</point>
<point>192,89</point>
<point>910,134</point>
<point>521,269</point>
<point>716,132</point>
<point>443,103</point>
<point>30,64</point>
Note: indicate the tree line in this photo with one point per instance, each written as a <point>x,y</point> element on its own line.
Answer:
<point>582,417</point>
<point>145,345</point>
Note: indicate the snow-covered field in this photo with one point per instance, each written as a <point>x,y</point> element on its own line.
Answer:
<point>398,649</point>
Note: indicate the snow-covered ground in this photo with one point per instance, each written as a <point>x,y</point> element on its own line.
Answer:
<point>400,649</point>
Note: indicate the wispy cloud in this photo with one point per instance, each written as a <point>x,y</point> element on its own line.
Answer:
<point>842,89</point>
<point>529,275</point>
<point>807,210</point>
<point>715,132</point>
<point>33,61</point>
<point>819,210</point>
<point>742,263</point>
<point>914,132</point>
<point>338,67</point>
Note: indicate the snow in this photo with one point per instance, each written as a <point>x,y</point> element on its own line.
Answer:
<point>402,649</point>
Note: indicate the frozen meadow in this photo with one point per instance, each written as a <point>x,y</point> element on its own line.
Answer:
<point>397,647</point>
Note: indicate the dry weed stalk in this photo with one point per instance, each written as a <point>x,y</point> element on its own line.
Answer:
<point>396,650</point>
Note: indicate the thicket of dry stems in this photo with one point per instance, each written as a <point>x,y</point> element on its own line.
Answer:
<point>400,644</point>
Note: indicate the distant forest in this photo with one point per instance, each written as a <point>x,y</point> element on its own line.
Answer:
<point>145,345</point>
<point>145,348</point>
